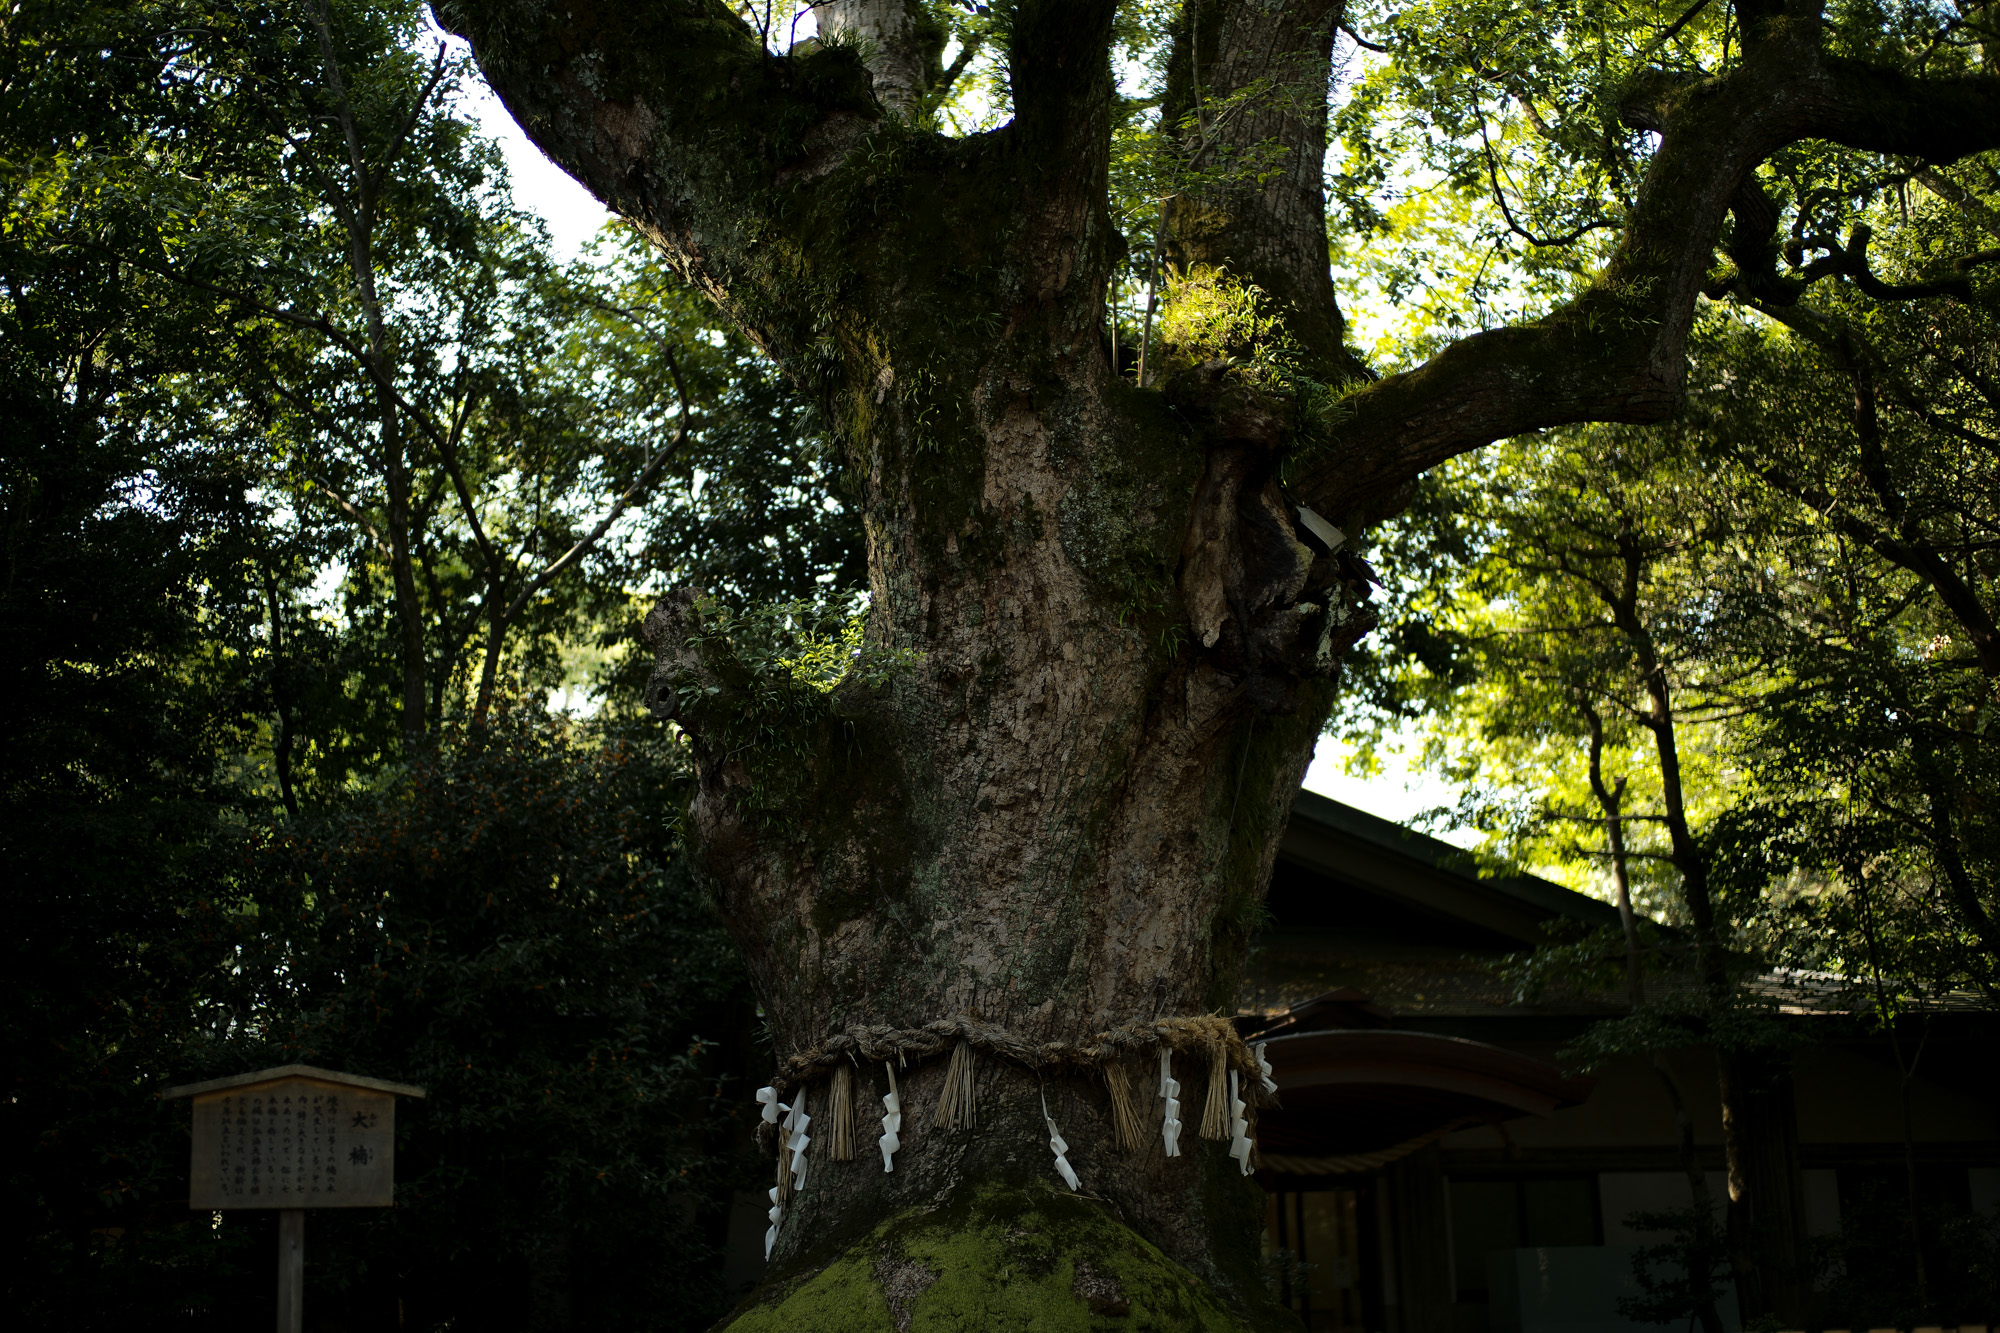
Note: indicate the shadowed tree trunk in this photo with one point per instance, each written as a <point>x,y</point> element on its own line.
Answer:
<point>1117,644</point>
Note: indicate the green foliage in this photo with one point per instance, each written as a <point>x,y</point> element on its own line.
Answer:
<point>1863,1271</point>
<point>511,926</point>
<point>1678,1277</point>
<point>799,644</point>
<point>222,849</point>
<point>1807,557</point>
<point>1211,315</point>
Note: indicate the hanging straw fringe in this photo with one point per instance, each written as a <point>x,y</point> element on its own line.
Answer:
<point>1124,1119</point>
<point>1215,1114</point>
<point>840,1115</point>
<point>957,1105</point>
<point>1210,1035</point>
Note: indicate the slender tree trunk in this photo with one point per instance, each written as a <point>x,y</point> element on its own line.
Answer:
<point>281,694</point>
<point>1610,800</point>
<point>1906,1073</point>
<point>358,216</point>
<point>1711,957</point>
<point>1906,1079</point>
<point>402,567</point>
<point>1697,1179</point>
<point>489,662</point>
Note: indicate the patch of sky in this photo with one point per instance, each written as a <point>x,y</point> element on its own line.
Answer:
<point>1396,791</point>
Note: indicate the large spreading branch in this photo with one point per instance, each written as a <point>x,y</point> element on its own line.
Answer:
<point>1617,352</point>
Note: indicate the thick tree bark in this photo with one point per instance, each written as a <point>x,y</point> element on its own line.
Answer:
<point>1116,648</point>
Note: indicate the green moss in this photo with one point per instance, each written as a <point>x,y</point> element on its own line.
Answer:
<point>1003,1258</point>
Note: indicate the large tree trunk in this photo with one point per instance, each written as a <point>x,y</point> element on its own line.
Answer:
<point>1106,648</point>
<point>1057,816</point>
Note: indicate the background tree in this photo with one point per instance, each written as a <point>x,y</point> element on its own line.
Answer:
<point>1592,589</point>
<point>219,845</point>
<point>1120,636</point>
<point>1802,563</point>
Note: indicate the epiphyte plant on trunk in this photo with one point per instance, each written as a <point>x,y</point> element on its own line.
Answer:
<point>1119,631</point>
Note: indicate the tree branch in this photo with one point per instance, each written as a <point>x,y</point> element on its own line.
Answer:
<point>1617,352</point>
<point>394,148</point>
<point>638,487</point>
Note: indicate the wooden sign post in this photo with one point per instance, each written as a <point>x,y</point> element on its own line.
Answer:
<point>293,1138</point>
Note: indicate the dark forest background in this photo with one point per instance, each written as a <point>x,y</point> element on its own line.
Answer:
<point>322,740</point>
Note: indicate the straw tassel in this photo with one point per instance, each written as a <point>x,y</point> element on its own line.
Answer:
<point>840,1115</point>
<point>957,1105</point>
<point>1124,1120</point>
<point>1215,1115</point>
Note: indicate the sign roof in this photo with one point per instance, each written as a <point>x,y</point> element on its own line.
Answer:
<point>293,1071</point>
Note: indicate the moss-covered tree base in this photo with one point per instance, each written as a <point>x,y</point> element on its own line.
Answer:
<point>1000,1257</point>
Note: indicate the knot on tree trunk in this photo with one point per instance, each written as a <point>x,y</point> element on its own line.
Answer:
<point>1266,599</point>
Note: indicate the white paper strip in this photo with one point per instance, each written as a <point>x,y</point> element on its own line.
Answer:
<point>777,1215</point>
<point>1329,536</point>
<point>796,1139</point>
<point>1170,1120</point>
<point>768,1097</point>
<point>1263,1068</point>
<point>1058,1147</point>
<point>892,1123</point>
<point>1239,1128</point>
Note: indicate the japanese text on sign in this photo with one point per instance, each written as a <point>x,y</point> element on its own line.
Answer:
<point>297,1143</point>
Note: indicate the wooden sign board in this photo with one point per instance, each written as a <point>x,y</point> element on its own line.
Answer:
<point>294,1137</point>
<point>296,1143</point>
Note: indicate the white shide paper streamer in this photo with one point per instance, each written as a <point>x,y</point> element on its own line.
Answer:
<point>767,1097</point>
<point>1058,1147</point>
<point>892,1123</point>
<point>1239,1128</point>
<point>1263,1068</point>
<point>1170,1121</point>
<point>796,1140</point>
